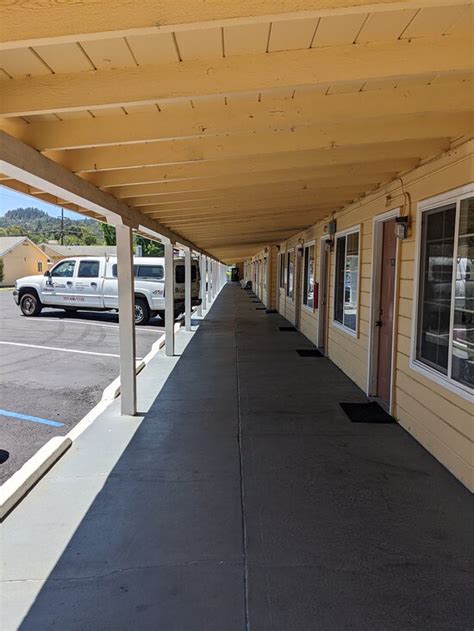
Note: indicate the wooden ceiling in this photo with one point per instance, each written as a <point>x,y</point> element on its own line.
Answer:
<point>235,124</point>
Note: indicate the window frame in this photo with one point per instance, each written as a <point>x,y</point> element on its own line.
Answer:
<point>454,196</point>
<point>307,246</point>
<point>281,278</point>
<point>335,323</point>
<point>291,296</point>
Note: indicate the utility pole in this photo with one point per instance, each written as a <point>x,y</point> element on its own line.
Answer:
<point>62,226</point>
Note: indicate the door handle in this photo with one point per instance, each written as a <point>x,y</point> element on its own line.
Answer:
<point>69,283</point>
<point>93,284</point>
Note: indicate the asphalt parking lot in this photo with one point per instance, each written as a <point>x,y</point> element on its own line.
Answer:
<point>53,370</point>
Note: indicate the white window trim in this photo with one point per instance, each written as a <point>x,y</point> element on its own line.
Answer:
<point>310,310</point>
<point>335,323</point>
<point>287,275</point>
<point>453,196</point>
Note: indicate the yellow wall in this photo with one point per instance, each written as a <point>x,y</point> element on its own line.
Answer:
<point>22,261</point>
<point>441,420</point>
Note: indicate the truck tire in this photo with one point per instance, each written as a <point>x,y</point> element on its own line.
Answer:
<point>30,304</point>
<point>142,311</point>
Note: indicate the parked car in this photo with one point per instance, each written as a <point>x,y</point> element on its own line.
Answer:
<point>90,284</point>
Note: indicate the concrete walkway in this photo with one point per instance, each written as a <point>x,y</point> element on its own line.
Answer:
<point>242,498</point>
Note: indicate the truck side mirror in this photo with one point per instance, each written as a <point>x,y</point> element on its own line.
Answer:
<point>47,273</point>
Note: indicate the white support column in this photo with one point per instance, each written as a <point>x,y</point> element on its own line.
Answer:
<point>187,289</point>
<point>126,304</point>
<point>202,267</point>
<point>169,299</point>
<point>199,309</point>
<point>209,281</point>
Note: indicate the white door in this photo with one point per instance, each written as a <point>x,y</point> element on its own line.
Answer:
<point>88,284</point>
<point>57,288</point>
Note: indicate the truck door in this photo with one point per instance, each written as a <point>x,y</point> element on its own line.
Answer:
<point>88,284</point>
<point>57,288</point>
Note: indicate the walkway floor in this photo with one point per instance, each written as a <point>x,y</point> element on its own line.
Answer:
<point>242,499</point>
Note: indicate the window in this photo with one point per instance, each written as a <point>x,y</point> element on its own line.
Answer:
<point>445,309</point>
<point>346,280</point>
<point>88,269</point>
<point>65,269</point>
<point>282,270</point>
<point>308,281</point>
<point>114,270</point>
<point>156,272</point>
<point>290,264</point>
<point>40,266</point>
<point>180,274</point>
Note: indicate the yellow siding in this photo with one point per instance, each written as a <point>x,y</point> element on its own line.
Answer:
<point>441,420</point>
<point>22,261</point>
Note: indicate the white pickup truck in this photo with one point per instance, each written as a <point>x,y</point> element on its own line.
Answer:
<point>90,284</point>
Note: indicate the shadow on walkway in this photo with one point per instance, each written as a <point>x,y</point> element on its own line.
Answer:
<point>246,493</point>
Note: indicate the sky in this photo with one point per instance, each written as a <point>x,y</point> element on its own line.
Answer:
<point>10,200</point>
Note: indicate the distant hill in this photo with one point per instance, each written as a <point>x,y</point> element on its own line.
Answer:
<point>40,227</point>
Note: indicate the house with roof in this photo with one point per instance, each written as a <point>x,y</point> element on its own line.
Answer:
<point>57,252</point>
<point>21,257</point>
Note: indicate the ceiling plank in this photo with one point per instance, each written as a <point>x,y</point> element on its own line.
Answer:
<point>50,22</point>
<point>174,81</point>
<point>245,117</point>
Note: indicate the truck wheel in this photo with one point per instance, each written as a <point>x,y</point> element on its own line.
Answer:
<point>30,305</point>
<point>142,311</point>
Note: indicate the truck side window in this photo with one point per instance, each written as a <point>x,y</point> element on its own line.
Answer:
<point>114,270</point>
<point>181,273</point>
<point>88,269</point>
<point>156,272</point>
<point>64,269</point>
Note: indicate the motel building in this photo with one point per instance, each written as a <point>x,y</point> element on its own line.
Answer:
<point>300,455</point>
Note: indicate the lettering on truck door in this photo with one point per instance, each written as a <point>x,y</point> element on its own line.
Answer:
<point>57,288</point>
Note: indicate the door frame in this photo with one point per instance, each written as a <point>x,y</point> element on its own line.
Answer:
<point>377,241</point>
<point>323,314</point>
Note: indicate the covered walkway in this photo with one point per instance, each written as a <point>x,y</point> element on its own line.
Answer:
<point>241,498</point>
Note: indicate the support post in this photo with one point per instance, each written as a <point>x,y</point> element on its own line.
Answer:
<point>169,298</point>
<point>203,296</point>
<point>126,304</point>
<point>187,289</point>
<point>209,281</point>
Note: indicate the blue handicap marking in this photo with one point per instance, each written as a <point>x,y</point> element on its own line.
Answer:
<point>33,419</point>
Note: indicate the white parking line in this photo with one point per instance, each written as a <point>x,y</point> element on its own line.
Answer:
<point>64,350</point>
<point>107,326</point>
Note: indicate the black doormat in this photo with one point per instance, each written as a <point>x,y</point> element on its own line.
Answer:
<point>309,352</point>
<point>287,328</point>
<point>366,413</point>
<point>261,308</point>
<point>272,311</point>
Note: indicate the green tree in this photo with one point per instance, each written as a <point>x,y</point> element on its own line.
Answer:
<point>109,234</point>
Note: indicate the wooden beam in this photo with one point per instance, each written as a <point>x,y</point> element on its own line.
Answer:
<point>174,81</point>
<point>46,22</point>
<point>346,134</point>
<point>304,185</point>
<point>22,163</point>
<point>126,182</point>
<point>367,172</point>
<point>243,117</point>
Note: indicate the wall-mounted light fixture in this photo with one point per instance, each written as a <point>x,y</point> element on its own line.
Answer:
<point>401,227</point>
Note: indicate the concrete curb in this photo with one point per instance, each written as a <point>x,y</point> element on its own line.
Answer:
<point>16,487</point>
